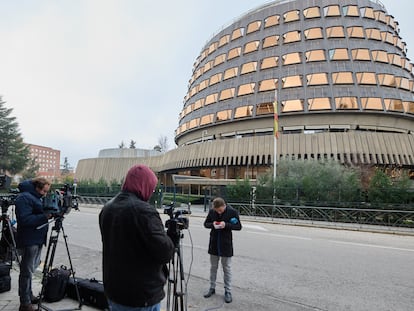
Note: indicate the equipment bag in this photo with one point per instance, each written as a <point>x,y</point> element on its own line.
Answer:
<point>5,283</point>
<point>57,280</point>
<point>91,292</point>
<point>5,269</point>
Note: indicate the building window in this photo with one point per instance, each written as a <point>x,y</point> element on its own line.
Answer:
<point>380,56</point>
<point>394,104</point>
<point>387,80</point>
<point>395,59</point>
<point>211,99</point>
<point>212,47</point>
<point>199,103</point>
<point>342,78</point>
<point>355,32</point>
<point>373,33</point>
<point>291,81</point>
<point>335,32</point>
<point>243,111</point>
<point>367,13</point>
<point>291,16</point>
<point>346,103</point>
<point>230,73</point>
<point>226,94</point>
<point>350,10</point>
<point>269,62</point>
<point>317,79</point>
<point>237,33</point>
<point>322,103</point>
<point>312,12</point>
<point>292,58</point>
<point>253,26</point>
<point>315,56</point>
<point>380,16</point>
<point>331,10</point>
<point>194,123</point>
<point>409,107</point>
<point>371,103</point>
<point>246,89</point>
<point>313,33</point>
<point>361,54</point>
<point>219,59</point>
<point>270,41</point>
<point>251,47</point>
<point>216,78</point>
<point>207,119</point>
<point>292,36</point>
<point>366,78</point>
<point>224,40</point>
<point>223,115</point>
<point>271,21</point>
<point>292,105</point>
<point>338,54</point>
<point>248,67</point>
<point>233,53</point>
<point>268,85</point>
<point>208,66</point>
<point>264,108</point>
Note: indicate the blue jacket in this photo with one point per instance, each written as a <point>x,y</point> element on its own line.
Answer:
<point>30,215</point>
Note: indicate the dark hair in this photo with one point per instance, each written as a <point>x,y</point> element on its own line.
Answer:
<point>218,202</point>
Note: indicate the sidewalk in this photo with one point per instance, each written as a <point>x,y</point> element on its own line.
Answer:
<point>9,301</point>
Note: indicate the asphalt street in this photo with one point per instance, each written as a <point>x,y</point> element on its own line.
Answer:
<point>276,266</point>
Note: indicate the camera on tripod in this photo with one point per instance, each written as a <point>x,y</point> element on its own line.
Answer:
<point>176,223</point>
<point>7,200</point>
<point>61,201</point>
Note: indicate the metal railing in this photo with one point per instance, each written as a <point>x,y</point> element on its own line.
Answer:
<point>393,218</point>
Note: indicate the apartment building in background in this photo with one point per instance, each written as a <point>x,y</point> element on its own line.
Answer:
<point>48,160</point>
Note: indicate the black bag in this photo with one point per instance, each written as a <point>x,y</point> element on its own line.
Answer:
<point>5,283</point>
<point>91,292</point>
<point>56,283</point>
<point>5,269</point>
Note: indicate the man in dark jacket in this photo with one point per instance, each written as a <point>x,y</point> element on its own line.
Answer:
<point>135,245</point>
<point>29,216</point>
<point>222,220</point>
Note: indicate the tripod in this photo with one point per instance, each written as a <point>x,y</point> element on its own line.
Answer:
<point>176,291</point>
<point>7,238</point>
<point>48,264</point>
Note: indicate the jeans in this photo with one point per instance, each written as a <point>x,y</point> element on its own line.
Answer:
<point>117,307</point>
<point>226,263</point>
<point>30,261</point>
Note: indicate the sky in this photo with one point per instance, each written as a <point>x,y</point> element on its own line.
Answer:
<point>86,75</point>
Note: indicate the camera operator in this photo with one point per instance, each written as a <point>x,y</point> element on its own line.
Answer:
<point>222,220</point>
<point>135,245</point>
<point>30,215</point>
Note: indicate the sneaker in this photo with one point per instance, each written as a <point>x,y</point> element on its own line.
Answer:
<point>227,297</point>
<point>210,293</point>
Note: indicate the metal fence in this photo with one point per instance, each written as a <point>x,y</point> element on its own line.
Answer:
<point>394,218</point>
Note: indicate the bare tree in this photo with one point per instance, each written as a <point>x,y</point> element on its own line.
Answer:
<point>163,143</point>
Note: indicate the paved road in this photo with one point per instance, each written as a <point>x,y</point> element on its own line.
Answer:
<point>279,267</point>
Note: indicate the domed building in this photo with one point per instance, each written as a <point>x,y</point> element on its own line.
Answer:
<point>337,73</point>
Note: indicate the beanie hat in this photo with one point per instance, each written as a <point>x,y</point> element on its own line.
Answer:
<point>140,180</point>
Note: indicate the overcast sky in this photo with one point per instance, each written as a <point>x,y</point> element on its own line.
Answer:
<point>85,75</point>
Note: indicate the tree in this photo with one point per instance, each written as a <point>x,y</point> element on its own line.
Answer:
<point>163,143</point>
<point>14,153</point>
<point>65,167</point>
<point>31,169</point>
<point>121,145</point>
<point>132,144</point>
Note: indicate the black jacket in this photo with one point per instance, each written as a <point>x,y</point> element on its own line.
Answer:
<point>135,251</point>
<point>29,216</point>
<point>221,240</point>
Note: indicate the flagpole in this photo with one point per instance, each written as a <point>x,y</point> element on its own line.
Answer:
<point>275,134</point>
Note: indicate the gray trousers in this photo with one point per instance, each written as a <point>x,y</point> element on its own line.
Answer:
<point>226,263</point>
<point>30,261</point>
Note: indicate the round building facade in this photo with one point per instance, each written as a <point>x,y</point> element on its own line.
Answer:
<point>330,78</point>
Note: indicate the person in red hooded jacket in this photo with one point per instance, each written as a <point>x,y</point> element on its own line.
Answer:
<point>136,247</point>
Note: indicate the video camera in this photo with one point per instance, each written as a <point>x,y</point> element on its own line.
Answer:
<point>61,201</point>
<point>176,223</point>
<point>8,199</point>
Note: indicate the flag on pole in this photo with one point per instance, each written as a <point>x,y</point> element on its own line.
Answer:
<point>276,117</point>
